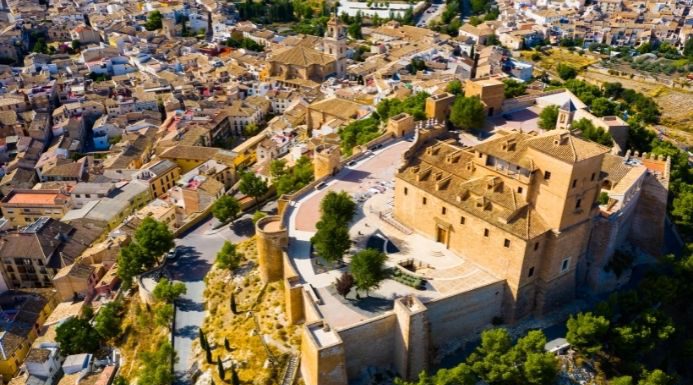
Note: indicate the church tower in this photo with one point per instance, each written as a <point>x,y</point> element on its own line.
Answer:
<point>565,115</point>
<point>334,44</point>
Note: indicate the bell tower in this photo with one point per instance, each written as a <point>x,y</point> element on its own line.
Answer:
<point>334,44</point>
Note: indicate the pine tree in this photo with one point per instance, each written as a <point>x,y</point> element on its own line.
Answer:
<point>234,376</point>
<point>233,304</point>
<point>208,351</point>
<point>220,367</point>
<point>203,340</point>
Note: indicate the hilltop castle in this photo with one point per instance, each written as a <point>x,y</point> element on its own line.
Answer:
<point>508,228</point>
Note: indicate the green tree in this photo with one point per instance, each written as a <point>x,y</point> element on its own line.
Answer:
<point>226,208</point>
<point>288,181</point>
<point>253,186</point>
<point>454,87</point>
<point>168,291</point>
<point>163,314</point>
<point>108,319</point>
<point>77,335</point>
<point>120,381</point>
<point>250,129</point>
<point>156,366</point>
<point>228,257</point>
<point>354,30</point>
<point>566,72</point>
<point>155,238</point>
<point>367,267</point>
<point>258,215</point>
<point>590,132</point>
<point>587,332</point>
<point>154,21</point>
<point>548,117</point>
<point>331,240</point>
<point>467,113</point>
<point>132,260</point>
<point>602,107</point>
<point>682,207</point>
<point>338,206</point>
<point>655,377</point>
<point>496,360</point>
<point>622,380</point>
<point>75,45</point>
<point>513,88</point>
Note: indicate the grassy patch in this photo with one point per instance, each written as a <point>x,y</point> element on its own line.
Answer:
<point>140,334</point>
<point>551,58</point>
<point>266,302</point>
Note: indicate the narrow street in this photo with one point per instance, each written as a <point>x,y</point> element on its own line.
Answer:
<point>200,246</point>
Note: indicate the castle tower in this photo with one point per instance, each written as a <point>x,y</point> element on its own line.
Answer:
<point>326,160</point>
<point>565,115</point>
<point>335,44</point>
<point>272,237</point>
<point>438,106</point>
<point>168,26</point>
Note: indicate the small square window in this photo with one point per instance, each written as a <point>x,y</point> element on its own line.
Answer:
<point>486,232</point>
<point>423,200</point>
<point>443,210</point>
<point>547,175</point>
<point>519,190</point>
<point>506,243</point>
<point>531,271</point>
<point>462,220</point>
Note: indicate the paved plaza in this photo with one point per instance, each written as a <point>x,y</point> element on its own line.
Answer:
<point>370,182</point>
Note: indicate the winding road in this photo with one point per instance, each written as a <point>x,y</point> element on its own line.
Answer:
<point>199,248</point>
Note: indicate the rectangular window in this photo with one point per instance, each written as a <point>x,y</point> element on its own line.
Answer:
<point>461,220</point>
<point>506,243</point>
<point>574,183</point>
<point>486,232</point>
<point>592,178</point>
<point>531,271</point>
<point>423,200</point>
<point>565,264</point>
<point>578,203</point>
<point>547,175</point>
<point>536,246</point>
<point>405,191</point>
<point>519,190</point>
<point>443,210</point>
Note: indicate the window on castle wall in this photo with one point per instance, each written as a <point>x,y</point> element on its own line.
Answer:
<point>406,191</point>
<point>592,178</point>
<point>486,232</point>
<point>531,272</point>
<point>536,246</point>
<point>506,243</point>
<point>578,203</point>
<point>443,210</point>
<point>423,200</point>
<point>461,220</point>
<point>565,264</point>
<point>574,183</point>
<point>519,190</point>
<point>547,175</point>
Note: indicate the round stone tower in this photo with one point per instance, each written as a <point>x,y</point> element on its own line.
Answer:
<point>271,237</point>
